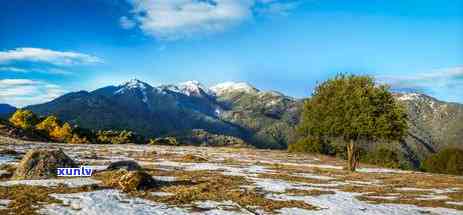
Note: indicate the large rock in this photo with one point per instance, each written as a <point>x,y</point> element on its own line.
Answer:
<point>41,164</point>
<point>135,181</point>
<point>125,165</point>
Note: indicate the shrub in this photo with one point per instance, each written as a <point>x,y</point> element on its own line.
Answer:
<point>310,145</point>
<point>48,125</point>
<point>383,157</point>
<point>447,161</point>
<point>76,139</point>
<point>62,134</point>
<point>24,119</point>
<point>117,137</point>
<point>170,141</point>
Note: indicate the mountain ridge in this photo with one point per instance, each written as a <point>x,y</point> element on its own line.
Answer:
<point>265,119</point>
<point>6,110</point>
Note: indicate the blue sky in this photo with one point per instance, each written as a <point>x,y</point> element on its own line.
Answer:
<point>48,48</point>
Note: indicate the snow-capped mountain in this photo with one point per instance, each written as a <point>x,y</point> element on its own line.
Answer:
<point>137,87</point>
<point>161,110</point>
<point>265,119</point>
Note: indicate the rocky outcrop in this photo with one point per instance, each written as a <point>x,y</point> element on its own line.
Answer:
<point>42,163</point>
<point>125,165</point>
<point>135,181</point>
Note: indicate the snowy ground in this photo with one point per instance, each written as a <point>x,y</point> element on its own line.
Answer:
<point>278,176</point>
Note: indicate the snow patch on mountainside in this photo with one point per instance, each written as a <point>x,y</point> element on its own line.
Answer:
<point>193,88</point>
<point>227,87</point>
<point>408,96</point>
<point>188,88</point>
<point>134,84</point>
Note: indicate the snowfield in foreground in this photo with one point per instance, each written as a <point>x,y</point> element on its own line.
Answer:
<point>250,182</point>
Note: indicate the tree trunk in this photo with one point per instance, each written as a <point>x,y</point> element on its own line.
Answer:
<point>352,156</point>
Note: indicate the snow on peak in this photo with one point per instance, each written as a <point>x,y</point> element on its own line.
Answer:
<point>135,83</point>
<point>190,88</point>
<point>233,87</point>
<point>409,96</point>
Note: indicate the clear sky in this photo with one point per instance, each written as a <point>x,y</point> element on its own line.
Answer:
<point>51,47</point>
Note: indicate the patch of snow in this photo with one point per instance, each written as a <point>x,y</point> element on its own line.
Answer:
<point>321,166</point>
<point>346,203</point>
<point>145,97</point>
<point>272,185</point>
<point>434,190</point>
<point>226,170</point>
<point>383,197</point>
<point>257,169</point>
<point>408,96</point>
<point>161,194</point>
<point>432,197</point>
<point>455,203</point>
<point>220,208</point>
<point>214,204</point>
<point>107,202</point>
<point>313,176</point>
<point>165,178</point>
<point>412,189</point>
<point>3,172</point>
<point>223,212</point>
<point>217,111</point>
<point>193,88</point>
<point>279,186</point>
<point>381,170</point>
<point>4,203</point>
<point>71,182</point>
<point>373,182</point>
<point>135,84</point>
<point>447,190</point>
<point>98,167</point>
<point>225,87</point>
<point>293,211</point>
<point>7,159</point>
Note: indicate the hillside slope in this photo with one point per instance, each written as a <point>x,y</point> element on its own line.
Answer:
<point>433,124</point>
<point>6,110</point>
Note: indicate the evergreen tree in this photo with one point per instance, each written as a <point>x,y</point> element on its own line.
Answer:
<point>353,109</point>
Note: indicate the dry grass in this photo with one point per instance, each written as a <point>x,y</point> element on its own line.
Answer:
<point>28,200</point>
<point>411,200</point>
<point>202,185</point>
<point>191,158</point>
<point>292,178</point>
<point>393,182</point>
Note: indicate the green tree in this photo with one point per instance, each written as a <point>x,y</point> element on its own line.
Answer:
<point>353,109</point>
<point>24,119</point>
<point>447,161</point>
